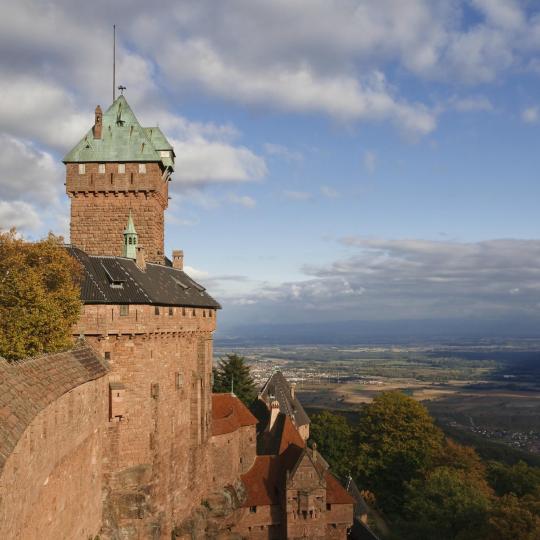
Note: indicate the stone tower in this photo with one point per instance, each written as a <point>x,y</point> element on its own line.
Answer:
<point>119,167</point>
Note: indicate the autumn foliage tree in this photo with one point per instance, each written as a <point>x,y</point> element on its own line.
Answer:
<point>39,296</point>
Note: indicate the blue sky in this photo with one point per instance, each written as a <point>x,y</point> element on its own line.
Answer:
<point>344,159</point>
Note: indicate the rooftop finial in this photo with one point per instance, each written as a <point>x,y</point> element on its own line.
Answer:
<point>121,88</point>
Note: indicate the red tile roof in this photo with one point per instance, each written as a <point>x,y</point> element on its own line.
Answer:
<point>229,414</point>
<point>335,492</point>
<point>263,481</point>
<point>289,436</point>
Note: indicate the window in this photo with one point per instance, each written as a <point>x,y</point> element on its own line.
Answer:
<point>179,380</point>
<point>156,310</point>
<point>124,310</point>
<point>121,168</point>
<point>82,168</point>
<point>107,355</point>
<point>328,506</point>
<point>101,168</point>
<point>183,312</point>
<point>253,509</point>
<point>171,312</point>
<point>194,313</point>
<point>142,168</point>
<point>165,153</point>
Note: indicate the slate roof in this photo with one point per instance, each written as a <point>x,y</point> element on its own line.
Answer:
<point>29,386</point>
<point>118,280</point>
<point>123,139</point>
<point>229,414</point>
<point>277,388</point>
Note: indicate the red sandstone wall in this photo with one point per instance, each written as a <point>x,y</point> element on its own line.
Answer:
<point>100,205</point>
<point>264,524</point>
<point>157,460</point>
<point>55,470</point>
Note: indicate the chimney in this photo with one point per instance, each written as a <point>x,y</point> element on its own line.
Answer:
<point>293,389</point>
<point>178,259</point>
<point>274,411</point>
<point>140,259</point>
<point>98,123</point>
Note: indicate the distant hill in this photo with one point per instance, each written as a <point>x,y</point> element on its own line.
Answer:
<point>453,331</point>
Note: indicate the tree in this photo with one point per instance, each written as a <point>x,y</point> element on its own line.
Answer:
<point>39,296</point>
<point>519,479</point>
<point>397,439</point>
<point>232,374</point>
<point>446,504</point>
<point>334,439</point>
<point>513,518</point>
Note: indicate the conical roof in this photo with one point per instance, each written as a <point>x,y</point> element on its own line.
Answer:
<point>130,227</point>
<point>123,139</point>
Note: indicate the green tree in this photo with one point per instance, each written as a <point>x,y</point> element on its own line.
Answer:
<point>519,479</point>
<point>397,439</point>
<point>334,439</point>
<point>446,504</point>
<point>39,296</point>
<point>232,373</point>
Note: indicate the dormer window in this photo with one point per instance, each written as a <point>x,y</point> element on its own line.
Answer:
<point>121,168</point>
<point>101,168</point>
<point>142,168</point>
<point>165,153</point>
<point>82,168</point>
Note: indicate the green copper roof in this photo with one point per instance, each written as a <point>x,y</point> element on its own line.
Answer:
<point>123,139</point>
<point>131,239</point>
<point>130,227</point>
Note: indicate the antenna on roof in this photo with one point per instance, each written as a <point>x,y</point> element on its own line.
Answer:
<point>114,64</point>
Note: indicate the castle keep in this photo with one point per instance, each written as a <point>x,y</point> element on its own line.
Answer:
<point>122,436</point>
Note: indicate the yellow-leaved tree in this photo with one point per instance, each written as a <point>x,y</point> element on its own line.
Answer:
<point>39,296</point>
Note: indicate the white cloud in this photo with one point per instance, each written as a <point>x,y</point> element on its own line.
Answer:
<point>26,172</point>
<point>530,115</point>
<point>370,161</point>
<point>411,278</point>
<point>18,214</point>
<point>243,200</point>
<point>200,161</point>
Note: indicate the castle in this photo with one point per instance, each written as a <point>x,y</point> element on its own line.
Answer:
<point>121,436</point>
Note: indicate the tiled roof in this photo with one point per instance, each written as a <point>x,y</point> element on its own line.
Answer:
<point>229,414</point>
<point>122,139</point>
<point>277,388</point>
<point>118,280</point>
<point>280,437</point>
<point>335,492</point>
<point>264,481</point>
<point>29,386</point>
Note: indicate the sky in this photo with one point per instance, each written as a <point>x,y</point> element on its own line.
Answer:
<point>336,159</point>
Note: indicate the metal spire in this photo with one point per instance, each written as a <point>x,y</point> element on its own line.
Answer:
<point>114,64</point>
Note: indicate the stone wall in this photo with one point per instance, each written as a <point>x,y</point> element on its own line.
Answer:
<point>51,483</point>
<point>100,205</point>
<point>157,457</point>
